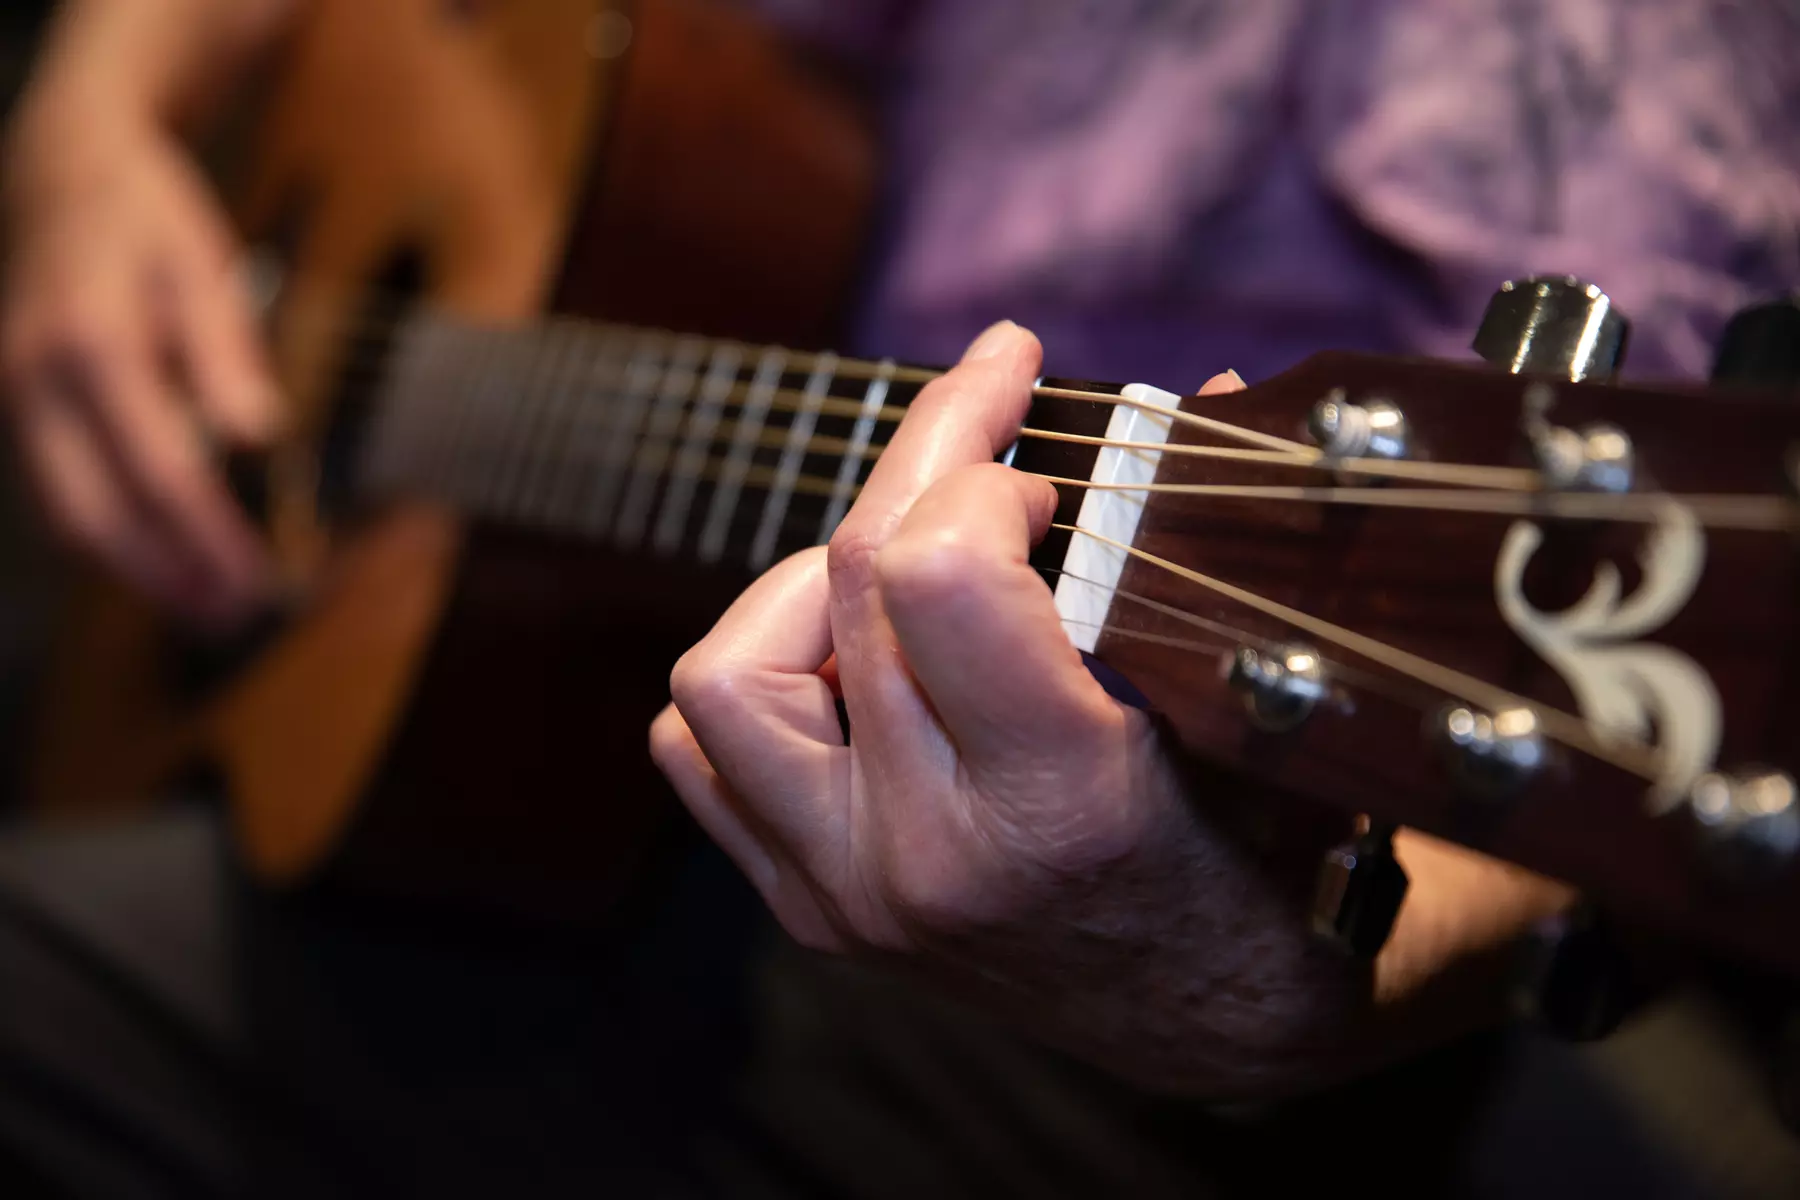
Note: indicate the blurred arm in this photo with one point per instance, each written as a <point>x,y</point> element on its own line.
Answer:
<point>169,60</point>
<point>122,317</point>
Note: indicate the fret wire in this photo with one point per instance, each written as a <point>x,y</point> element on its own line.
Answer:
<point>490,444</point>
<point>459,432</point>
<point>769,370</point>
<point>418,381</point>
<point>392,436</point>
<point>721,379</point>
<point>855,451</point>
<point>615,414</point>
<point>643,376</point>
<point>659,441</point>
<point>844,368</point>
<point>571,351</point>
<point>423,355</point>
<point>525,498</point>
<point>595,373</point>
<point>514,449</point>
<point>762,549</point>
<point>794,399</point>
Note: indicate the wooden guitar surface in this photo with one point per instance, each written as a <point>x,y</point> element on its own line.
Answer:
<point>455,710</point>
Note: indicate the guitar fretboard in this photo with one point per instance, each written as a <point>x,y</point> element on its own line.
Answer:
<point>685,445</point>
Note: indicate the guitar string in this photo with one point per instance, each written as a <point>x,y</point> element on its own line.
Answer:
<point>1746,513</point>
<point>1456,474</point>
<point>1628,754</point>
<point>1760,513</point>
<point>1766,514</point>
<point>1401,690</point>
<point>1752,513</point>
<point>1756,514</point>
<point>1264,447</point>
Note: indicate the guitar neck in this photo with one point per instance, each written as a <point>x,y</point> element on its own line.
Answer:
<point>687,446</point>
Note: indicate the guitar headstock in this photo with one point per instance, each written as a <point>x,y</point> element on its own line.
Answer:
<point>1549,616</point>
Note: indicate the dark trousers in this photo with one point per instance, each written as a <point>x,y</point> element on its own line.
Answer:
<point>166,1029</point>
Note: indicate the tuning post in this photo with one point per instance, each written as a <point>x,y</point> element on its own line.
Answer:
<point>1495,755</point>
<point>1748,824</point>
<point>1280,687</point>
<point>1374,428</point>
<point>1595,458</point>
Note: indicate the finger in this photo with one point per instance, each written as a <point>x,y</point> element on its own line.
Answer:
<point>84,504</point>
<point>965,417</point>
<point>156,449</point>
<point>968,415</point>
<point>1223,384</point>
<point>979,629</point>
<point>752,693</point>
<point>736,831</point>
<point>211,325</point>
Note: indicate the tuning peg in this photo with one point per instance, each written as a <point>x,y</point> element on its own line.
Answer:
<point>1748,825</point>
<point>1361,886</point>
<point>1561,327</point>
<point>1761,346</point>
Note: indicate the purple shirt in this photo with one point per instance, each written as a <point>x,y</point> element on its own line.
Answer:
<point>1166,188</point>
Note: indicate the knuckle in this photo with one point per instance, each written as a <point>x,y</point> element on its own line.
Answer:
<point>946,391</point>
<point>943,893</point>
<point>702,689</point>
<point>850,559</point>
<point>929,567</point>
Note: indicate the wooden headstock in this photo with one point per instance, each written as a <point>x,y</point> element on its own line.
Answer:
<point>1646,644</point>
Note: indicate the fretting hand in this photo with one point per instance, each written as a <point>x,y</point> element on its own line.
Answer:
<point>998,824</point>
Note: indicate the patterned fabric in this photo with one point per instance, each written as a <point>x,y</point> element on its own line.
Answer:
<point>1165,188</point>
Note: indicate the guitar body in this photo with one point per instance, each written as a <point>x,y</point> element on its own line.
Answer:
<point>450,708</point>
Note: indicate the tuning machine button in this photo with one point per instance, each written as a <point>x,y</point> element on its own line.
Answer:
<point>1281,687</point>
<point>1761,346</point>
<point>1491,756</point>
<point>1595,458</point>
<point>1558,326</point>
<point>1360,889</point>
<point>1373,428</point>
<point>1748,825</point>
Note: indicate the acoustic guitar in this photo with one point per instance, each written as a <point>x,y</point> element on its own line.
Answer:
<point>662,161</point>
<point>1520,605</point>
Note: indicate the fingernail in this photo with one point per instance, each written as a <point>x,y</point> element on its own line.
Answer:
<point>992,343</point>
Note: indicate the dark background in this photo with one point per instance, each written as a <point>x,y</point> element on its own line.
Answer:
<point>27,584</point>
